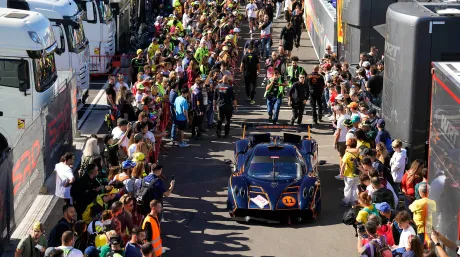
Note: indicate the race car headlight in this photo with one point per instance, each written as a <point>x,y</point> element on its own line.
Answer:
<point>311,191</point>
<point>305,193</point>
<point>242,192</point>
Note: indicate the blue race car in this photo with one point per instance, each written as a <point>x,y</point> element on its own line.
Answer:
<point>275,179</point>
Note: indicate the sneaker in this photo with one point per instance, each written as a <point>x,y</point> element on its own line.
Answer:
<point>338,177</point>
<point>252,102</point>
<point>183,144</point>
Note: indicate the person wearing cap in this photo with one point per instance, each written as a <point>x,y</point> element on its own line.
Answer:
<point>34,245</point>
<point>297,99</point>
<point>294,71</point>
<point>383,136</point>
<point>151,226</point>
<point>250,67</point>
<point>85,189</point>
<point>139,95</point>
<point>116,249</point>
<point>137,64</point>
<point>386,212</point>
<point>120,133</point>
<point>67,240</point>
<point>316,85</point>
<point>92,251</point>
<point>353,108</point>
<point>99,204</point>
<point>125,176</point>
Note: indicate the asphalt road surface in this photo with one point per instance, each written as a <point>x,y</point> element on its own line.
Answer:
<point>196,220</point>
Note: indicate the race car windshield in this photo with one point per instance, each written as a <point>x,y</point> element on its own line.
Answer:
<point>275,168</point>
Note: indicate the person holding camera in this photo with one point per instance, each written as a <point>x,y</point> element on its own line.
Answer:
<point>274,92</point>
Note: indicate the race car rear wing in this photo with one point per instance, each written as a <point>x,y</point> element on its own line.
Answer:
<point>291,138</point>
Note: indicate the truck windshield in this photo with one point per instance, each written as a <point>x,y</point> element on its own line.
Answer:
<point>105,12</point>
<point>76,37</point>
<point>45,72</point>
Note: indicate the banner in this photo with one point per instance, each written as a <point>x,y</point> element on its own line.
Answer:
<point>339,21</point>
<point>21,176</point>
<point>320,19</point>
<point>57,117</point>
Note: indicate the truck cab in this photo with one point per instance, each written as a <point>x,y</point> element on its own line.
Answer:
<point>99,27</point>
<point>67,22</point>
<point>28,73</point>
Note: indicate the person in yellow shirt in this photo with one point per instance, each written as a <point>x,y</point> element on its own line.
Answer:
<point>365,201</point>
<point>346,171</point>
<point>423,211</point>
<point>153,47</point>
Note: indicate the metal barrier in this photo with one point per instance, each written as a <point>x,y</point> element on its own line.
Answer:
<point>103,65</point>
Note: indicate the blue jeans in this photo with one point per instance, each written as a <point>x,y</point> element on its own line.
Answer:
<point>266,47</point>
<point>273,107</point>
<point>325,100</point>
<point>173,127</point>
<point>210,114</point>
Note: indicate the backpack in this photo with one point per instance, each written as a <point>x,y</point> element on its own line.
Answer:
<point>373,211</point>
<point>381,249</point>
<point>142,194</point>
<point>355,161</point>
<point>52,236</point>
<point>349,217</point>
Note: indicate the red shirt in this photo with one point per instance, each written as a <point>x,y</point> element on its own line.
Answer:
<point>409,187</point>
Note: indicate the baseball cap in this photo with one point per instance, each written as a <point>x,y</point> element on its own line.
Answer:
<point>347,123</point>
<point>140,87</point>
<point>355,118</point>
<point>139,51</point>
<point>138,157</point>
<point>92,251</point>
<point>366,64</point>
<point>353,105</point>
<point>115,240</point>
<point>122,122</point>
<point>114,191</point>
<point>381,123</point>
<point>128,164</point>
<point>339,97</point>
<point>383,207</point>
<point>38,226</point>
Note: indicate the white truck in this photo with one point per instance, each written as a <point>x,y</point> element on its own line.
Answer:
<point>28,75</point>
<point>66,20</point>
<point>100,29</point>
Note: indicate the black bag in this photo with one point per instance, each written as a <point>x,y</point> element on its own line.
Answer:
<point>349,217</point>
<point>142,194</point>
<point>52,236</point>
<point>356,161</point>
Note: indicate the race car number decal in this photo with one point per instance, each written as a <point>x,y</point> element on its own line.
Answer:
<point>289,201</point>
<point>260,201</point>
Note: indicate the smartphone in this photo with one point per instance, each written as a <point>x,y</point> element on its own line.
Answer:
<point>173,177</point>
